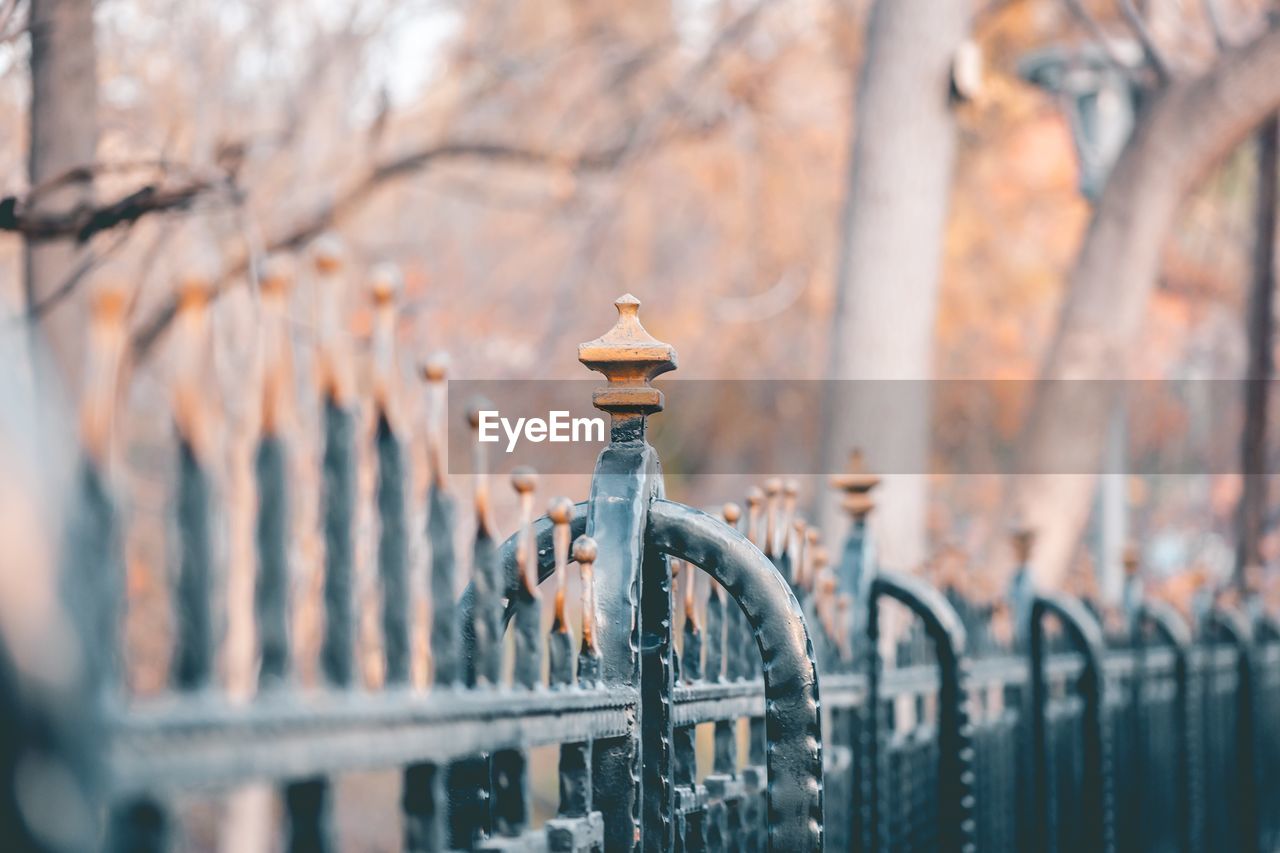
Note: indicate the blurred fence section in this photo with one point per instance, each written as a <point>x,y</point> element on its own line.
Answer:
<point>674,667</point>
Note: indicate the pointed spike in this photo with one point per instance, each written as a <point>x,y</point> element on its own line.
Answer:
<point>435,372</point>
<point>480,468</point>
<point>333,359</point>
<point>524,480</point>
<point>585,551</point>
<point>560,512</point>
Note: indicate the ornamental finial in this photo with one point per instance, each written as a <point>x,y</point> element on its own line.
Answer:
<point>857,483</point>
<point>629,357</point>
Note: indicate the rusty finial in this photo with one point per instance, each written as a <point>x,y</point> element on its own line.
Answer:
<point>790,494</point>
<point>1131,559</point>
<point>584,553</point>
<point>524,480</point>
<point>105,352</point>
<point>796,550</point>
<point>385,286</point>
<point>691,596</point>
<point>189,410</point>
<point>630,358</point>
<point>277,353</point>
<point>772,491</point>
<point>755,497</point>
<point>561,513</point>
<point>327,253</point>
<point>1023,539</point>
<point>480,467</point>
<point>856,483</point>
<point>333,360</point>
<point>435,370</point>
<point>813,541</point>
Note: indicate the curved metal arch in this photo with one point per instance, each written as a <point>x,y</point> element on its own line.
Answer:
<point>792,718</point>
<point>955,733</point>
<point>1177,635</point>
<point>1169,623</point>
<point>542,531</point>
<point>1087,636</point>
<point>1239,631</point>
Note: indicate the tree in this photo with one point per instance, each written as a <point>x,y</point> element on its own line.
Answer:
<point>890,245</point>
<point>64,136</point>
<point>1189,121</point>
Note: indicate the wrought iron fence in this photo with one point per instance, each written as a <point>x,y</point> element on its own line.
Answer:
<point>950,740</point>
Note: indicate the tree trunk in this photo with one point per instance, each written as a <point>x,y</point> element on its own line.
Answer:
<point>1260,322</point>
<point>899,185</point>
<point>1187,128</point>
<point>64,133</point>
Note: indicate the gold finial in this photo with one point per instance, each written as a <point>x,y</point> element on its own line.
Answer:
<point>327,253</point>
<point>1131,559</point>
<point>1023,539</point>
<point>790,494</point>
<point>798,552</point>
<point>434,371</point>
<point>731,513</point>
<point>436,367</point>
<point>584,553</point>
<point>630,358</point>
<point>857,484</point>
<point>105,352</point>
<point>277,351</point>
<point>189,411</point>
<point>772,490</point>
<point>384,292</point>
<point>275,276</point>
<point>333,358</point>
<point>524,480</point>
<point>813,542</point>
<point>690,596</point>
<point>561,514</point>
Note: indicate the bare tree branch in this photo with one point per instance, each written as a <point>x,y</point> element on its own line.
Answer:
<point>1214,16</point>
<point>334,212</point>
<point>1143,34</point>
<point>84,221</point>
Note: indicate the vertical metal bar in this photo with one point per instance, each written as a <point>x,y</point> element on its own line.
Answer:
<point>635,651</point>
<point>424,799</point>
<point>393,556</point>
<point>272,594</point>
<point>560,640</point>
<point>510,766</point>
<point>337,501</point>
<point>193,658</point>
<point>1236,628</point>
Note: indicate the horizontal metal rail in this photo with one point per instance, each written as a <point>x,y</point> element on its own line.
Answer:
<point>198,742</point>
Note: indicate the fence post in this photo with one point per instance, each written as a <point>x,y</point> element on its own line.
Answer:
<point>632,581</point>
<point>1096,782</point>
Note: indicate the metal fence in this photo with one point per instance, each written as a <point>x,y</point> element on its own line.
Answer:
<point>947,741</point>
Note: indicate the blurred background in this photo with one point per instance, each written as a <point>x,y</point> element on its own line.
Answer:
<point>795,189</point>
